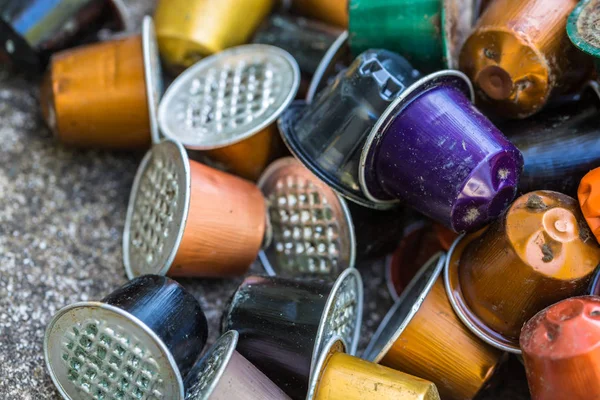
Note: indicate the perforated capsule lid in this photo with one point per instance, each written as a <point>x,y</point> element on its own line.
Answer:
<point>582,27</point>
<point>342,316</point>
<point>228,97</point>
<point>98,351</point>
<point>204,377</point>
<point>157,211</point>
<point>311,229</point>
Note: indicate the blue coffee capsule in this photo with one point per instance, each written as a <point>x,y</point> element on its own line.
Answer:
<point>138,342</point>
<point>30,30</point>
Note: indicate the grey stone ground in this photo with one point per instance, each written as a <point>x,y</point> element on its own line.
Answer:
<point>61,219</point>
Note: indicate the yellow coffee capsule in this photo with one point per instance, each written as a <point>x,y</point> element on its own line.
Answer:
<point>188,30</point>
<point>339,376</point>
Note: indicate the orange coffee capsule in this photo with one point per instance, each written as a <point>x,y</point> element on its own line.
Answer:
<point>105,95</point>
<point>589,200</point>
<point>538,253</point>
<point>187,219</point>
<point>561,350</point>
<point>226,106</point>
<point>519,55</point>
<point>422,336</point>
<point>334,12</point>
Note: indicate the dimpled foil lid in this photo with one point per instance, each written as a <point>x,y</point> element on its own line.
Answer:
<point>229,96</point>
<point>311,230</point>
<point>157,211</point>
<point>207,373</point>
<point>97,351</point>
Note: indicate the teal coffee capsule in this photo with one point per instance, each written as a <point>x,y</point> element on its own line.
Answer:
<point>429,33</point>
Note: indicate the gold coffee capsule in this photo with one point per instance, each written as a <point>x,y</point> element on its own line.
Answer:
<point>422,336</point>
<point>519,55</point>
<point>226,105</point>
<point>105,95</point>
<point>188,30</point>
<point>339,376</point>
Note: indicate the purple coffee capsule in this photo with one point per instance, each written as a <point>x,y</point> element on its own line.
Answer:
<point>433,150</point>
<point>328,134</point>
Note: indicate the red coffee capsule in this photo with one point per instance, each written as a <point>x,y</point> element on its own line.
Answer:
<point>561,350</point>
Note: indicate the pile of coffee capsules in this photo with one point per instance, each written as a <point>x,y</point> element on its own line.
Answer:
<point>459,137</point>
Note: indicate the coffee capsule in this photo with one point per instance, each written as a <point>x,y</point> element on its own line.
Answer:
<point>138,342</point>
<point>433,150</point>
<point>543,244</point>
<point>189,30</point>
<point>284,324</point>
<point>589,201</point>
<point>423,337</point>
<point>581,28</point>
<point>227,104</point>
<point>561,350</point>
<point>306,40</point>
<point>428,33</point>
<point>559,145</point>
<point>224,374</point>
<point>418,244</point>
<point>187,219</point>
<point>334,12</point>
<point>87,89</point>
<point>339,376</point>
<point>335,60</point>
<point>30,30</point>
<point>518,64</point>
<point>327,135</point>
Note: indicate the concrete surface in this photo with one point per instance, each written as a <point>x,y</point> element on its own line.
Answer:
<point>61,219</point>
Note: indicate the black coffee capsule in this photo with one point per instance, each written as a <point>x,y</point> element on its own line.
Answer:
<point>283,324</point>
<point>137,343</point>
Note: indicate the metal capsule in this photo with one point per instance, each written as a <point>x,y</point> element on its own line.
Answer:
<point>422,325</point>
<point>87,88</point>
<point>30,30</point>
<point>187,219</point>
<point>226,106</point>
<point>341,376</point>
<point>543,244</point>
<point>140,340</point>
<point>432,31</point>
<point>284,324</point>
<point>189,30</point>
<point>224,374</point>
<point>518,64</point>
<point>561,350</point>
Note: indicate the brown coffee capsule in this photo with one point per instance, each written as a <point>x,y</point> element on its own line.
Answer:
<point>422,336</point>
<point>519,55</point>
<point>541,251</point>
<point>561,350</point>
<point>105,95</point>
<point>187,219</point>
